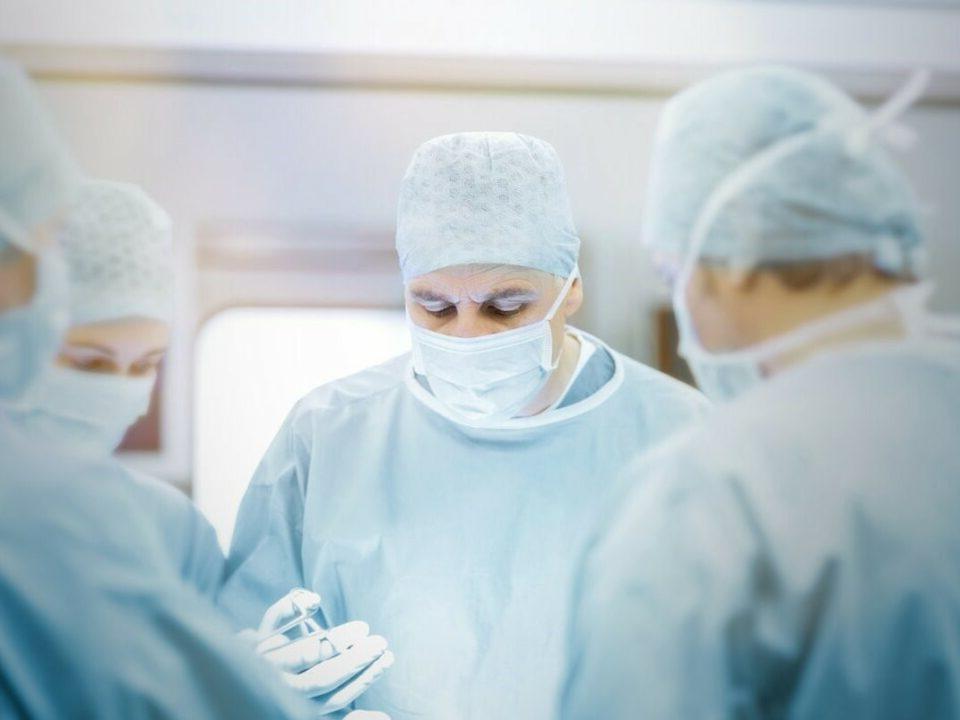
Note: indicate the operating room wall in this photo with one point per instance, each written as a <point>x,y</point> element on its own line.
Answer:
<point>317,156</point>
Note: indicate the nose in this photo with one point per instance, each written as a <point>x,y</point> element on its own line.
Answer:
<point>469,323</point>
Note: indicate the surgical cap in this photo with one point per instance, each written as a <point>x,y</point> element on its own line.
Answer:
<point>37,172</point>
<point>483,197</point>
<point>117,246</point>
<point>823,189</point>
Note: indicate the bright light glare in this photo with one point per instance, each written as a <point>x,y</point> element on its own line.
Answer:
<point>252,365</point>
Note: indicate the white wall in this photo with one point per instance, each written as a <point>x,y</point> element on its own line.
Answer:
<point>305,112</point>
<point>327,156</point>
<point>276,356</point>
<point>867,35</point>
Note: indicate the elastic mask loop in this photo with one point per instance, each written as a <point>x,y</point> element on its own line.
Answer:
<point>879,123</point>
<point>564,291</point>
<point>882,123</point>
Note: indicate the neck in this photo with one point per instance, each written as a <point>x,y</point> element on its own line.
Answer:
<point>559,379</point>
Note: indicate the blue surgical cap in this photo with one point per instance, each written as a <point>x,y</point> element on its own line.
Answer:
<point>823,189</point>
<point>484,197</point>
<point>117,245</point>
<point>37,173</point>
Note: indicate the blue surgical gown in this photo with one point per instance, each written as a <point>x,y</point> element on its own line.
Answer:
<point>797,556</point>
<point>455,543</point>
<point>191,539</point>
<point>95,621</point>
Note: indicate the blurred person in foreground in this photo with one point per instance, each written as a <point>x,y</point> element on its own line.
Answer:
<point>795,555</point>
<point>94,618</point>
<point>116,245</point>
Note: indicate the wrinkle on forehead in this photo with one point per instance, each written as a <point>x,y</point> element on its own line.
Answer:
<point>481,283</point>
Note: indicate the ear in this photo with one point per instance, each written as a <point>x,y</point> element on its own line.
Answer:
<point>574,298</point>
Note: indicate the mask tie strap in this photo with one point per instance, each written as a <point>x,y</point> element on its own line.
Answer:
<point>574,274</point>
<point>547,361</point>
<point>882,122</point>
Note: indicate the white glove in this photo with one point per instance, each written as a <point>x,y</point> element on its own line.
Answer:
<point>331,667</point>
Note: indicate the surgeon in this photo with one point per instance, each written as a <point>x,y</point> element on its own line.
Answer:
<point>794,556</point>
<point>94,618</point>
<point>116,244</point>
<point>441,497</point>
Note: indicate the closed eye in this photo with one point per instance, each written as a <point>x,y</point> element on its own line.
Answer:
<point>144,367</point>
<point>504,309</point>
<point>440,311</point>
<point>92,364</point>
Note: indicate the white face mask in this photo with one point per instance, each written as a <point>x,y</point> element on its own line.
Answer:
<point>29,334</point>
<point>490,377</point>
<point>86,410</point>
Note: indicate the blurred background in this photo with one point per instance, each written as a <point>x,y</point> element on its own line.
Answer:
<point>276,133</point>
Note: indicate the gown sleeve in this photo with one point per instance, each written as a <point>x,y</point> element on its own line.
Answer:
<point>95,619</point>
<point>205,565</point>
<point>191,538</point>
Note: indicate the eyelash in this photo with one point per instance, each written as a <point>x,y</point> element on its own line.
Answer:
<point>103,365</point>
<point>503,313</point>
<point>445,312</point>
<point>144,367</point>
<point>100,365</point>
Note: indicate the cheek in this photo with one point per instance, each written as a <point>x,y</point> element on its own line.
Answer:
<point>712,321</point>
<point>422,318</point>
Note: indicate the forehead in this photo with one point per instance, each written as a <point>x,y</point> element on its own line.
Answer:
<point>143,333</point>
<point>481,279</point>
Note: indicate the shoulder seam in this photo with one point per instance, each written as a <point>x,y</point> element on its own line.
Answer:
<point>353,401</point>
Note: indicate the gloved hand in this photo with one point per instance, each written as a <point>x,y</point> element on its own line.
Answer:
<point>331,667</point>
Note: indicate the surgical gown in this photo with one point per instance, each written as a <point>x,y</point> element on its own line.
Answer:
<point>190,538</point>
<point>95,621</point>
<point>456,543</point>
<point>795,557</point>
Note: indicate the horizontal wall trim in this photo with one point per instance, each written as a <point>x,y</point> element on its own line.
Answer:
<point>439,73</point>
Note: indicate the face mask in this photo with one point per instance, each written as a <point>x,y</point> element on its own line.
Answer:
<point>490,377</point>
<point>30,334</point>
<point>86,410</point>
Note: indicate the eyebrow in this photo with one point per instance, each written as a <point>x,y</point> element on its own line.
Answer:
<point>429,296</point>
<point>517,294</point>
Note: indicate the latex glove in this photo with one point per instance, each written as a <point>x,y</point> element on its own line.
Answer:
<point>331,667</point>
